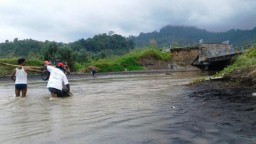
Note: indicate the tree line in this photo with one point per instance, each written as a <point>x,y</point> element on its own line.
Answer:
<point>81,51</point>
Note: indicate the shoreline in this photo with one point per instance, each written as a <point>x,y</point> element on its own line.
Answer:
<point>86,75</point>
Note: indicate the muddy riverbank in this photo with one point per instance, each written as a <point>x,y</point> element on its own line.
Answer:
<point>231,108</point>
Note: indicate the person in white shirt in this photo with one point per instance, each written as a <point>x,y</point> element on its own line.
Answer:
<point>19,75</point>
<point>57,79</point>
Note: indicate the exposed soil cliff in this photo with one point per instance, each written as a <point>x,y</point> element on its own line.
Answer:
<point>176,63</point>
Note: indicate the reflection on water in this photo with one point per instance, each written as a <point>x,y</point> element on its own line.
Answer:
<point>116,109</point>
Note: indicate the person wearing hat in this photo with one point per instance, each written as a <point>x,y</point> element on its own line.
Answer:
<point>57,79</point>
<point>19,75</point>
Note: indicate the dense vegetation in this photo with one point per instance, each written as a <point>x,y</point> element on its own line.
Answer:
<point>22,48</point>
<point>97,47</point>
<point>188,36</point>
<point>128,62</point>
<point>81,51</point>
<point>104,44</point>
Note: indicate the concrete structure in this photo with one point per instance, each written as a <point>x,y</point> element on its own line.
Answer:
<point>206,56</point>
<point>215,56</point>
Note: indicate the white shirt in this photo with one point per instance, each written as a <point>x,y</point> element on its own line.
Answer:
<point>21,76</point>
<point>57,78</point>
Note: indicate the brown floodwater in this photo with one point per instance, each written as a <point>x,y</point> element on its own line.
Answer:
<point>129,109</point>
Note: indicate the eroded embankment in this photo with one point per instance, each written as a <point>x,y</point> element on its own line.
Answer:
<point>242,77</point>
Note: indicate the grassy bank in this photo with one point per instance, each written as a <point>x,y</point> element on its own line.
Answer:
<point>243,69</point>
<point>132,61</point>
<point>245,61</point>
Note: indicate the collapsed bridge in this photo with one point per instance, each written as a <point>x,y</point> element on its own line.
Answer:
<point>208,56</point>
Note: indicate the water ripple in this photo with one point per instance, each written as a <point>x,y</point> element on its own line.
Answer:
<point>133,109</point>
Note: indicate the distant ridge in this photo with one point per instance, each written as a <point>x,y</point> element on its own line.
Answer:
<point>189,36</point>
<point>104,45</point>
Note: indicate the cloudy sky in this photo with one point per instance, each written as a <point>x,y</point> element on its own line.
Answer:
<point>70,20</point>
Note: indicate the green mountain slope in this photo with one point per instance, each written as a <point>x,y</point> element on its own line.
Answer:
<point>187,36</point>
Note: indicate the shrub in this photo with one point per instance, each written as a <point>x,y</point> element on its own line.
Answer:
<point>108,66</point>
<point>128,62</point>
<point>77,66</point>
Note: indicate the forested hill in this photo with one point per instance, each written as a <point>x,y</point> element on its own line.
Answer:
<point>187,36</point>
<point>99,46</point>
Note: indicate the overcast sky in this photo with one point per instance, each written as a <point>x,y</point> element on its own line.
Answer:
<point>71,20</point>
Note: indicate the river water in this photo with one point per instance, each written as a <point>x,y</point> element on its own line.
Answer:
<point>128,109</point>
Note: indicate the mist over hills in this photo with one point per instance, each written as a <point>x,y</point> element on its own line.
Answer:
<point>189,36</point>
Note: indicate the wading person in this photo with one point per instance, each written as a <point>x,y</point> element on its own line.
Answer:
<point>56,80</point>
<point>93,70</point>
<point>19,75</point>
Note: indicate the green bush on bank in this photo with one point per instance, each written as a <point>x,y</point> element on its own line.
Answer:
<point>128,62</point>
<point>244,61</point>
<point>77,66</point>
<point>154,53</point>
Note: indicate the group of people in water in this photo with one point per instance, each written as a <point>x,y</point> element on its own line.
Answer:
<point>57,85</point>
